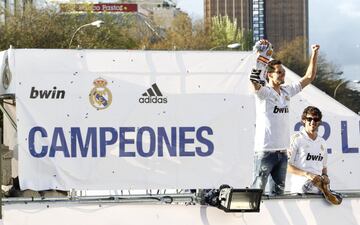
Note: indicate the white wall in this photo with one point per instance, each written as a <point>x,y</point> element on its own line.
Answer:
<point>272,212</point>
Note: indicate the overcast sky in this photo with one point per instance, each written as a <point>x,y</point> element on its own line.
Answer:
<point>334,24</point>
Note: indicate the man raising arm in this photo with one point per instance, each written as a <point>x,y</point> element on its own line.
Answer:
<point>311,70</point>
<point>272,130</point>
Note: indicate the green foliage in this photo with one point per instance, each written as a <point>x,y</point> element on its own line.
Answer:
<point>186,35</point>
<point>328,74</point>
<point>224,31</point>
<point>30,27</point>
<point>291,54</point>
<point>48,28</point>
<point>329,77</point>
<point>182,35</point>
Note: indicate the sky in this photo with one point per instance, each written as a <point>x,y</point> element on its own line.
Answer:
<point>333,24</point>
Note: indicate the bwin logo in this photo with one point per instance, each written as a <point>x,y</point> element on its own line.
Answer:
<point>314,157</point>
<point>281,110</point>
<point>46,94</point>
<point>153,95</point>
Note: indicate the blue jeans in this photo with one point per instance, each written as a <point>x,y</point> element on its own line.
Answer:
<point>274,164</point>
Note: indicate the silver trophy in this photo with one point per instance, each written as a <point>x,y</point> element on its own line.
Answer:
<point>263,48</point>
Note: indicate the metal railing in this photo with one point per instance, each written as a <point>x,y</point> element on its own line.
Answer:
<point>183,198</point>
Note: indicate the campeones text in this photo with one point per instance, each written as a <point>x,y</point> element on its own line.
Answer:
<point>129,142</point>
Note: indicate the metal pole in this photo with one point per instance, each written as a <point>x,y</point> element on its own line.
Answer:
<point>1,217</point>
<point>342,82</point>
<point>6,11</point>
<point>4,112</point>
<point>96,23</point>
<point>337,87</point>
<point>1,158</point>
<point>72,37</point>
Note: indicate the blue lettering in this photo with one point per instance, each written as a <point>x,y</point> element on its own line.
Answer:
<point>139,141</point>
<point>162,137</point>
<point>59,136</point>
<point>204,141</point>
<point>344,140</point>
<point>327,131</point>
<point>44,149</point>
<point>298,125</point>
<point>124,141</point>
<point>103,140</point>
<point>183,141</point>
<point>77,138</point>
<point>143,142</point>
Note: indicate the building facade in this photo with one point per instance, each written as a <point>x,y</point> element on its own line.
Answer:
<point>279,21</point>
<point>258,20</point>
<point>286,20</point>
<point>239,10</point>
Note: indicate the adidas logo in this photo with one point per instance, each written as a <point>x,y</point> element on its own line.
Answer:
<point>153,95</point>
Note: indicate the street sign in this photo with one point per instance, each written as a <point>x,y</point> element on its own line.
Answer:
<point>99,7</point>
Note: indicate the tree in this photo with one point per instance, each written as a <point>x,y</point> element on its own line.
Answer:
<point>32,27</point>
<point>182,35</point>
<point>291,54</point>
<point>48,28</point>
<point>328,73</point>
<point>223,32</point>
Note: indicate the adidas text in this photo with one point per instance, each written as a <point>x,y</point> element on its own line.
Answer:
<point>154,99</point>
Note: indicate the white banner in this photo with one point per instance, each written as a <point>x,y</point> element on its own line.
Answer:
<point>97,119</point>
<point>119,119</point>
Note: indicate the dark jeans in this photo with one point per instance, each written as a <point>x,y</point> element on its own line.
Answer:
<point>274,164</point>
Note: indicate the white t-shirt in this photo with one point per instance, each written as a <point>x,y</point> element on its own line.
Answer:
<point>308,155</point>
<point>272,130</point>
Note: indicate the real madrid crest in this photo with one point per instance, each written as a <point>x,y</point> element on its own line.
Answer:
<point>100,96</point>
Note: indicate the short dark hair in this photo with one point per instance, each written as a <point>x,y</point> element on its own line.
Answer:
<point>270,66</point>
<point>311,110</point>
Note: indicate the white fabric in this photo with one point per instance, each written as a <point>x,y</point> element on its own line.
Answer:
<point>203,87</point>
<point>190,137</point>
<point>308,155</point>
<point>278,211</point>
<point>272,117</point>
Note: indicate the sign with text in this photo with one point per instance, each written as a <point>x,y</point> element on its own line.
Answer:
<point>98,7</point>
<point>112,119</point>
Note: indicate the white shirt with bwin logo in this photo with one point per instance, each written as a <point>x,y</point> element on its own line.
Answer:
<point>308,155</point>
<point>272,130</point>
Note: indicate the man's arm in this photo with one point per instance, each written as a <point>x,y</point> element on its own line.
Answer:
<point>324,171</point>
<point>311,70</point>
<point>325,176</point>
<point>294,170</point>
<point>256,86</point>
